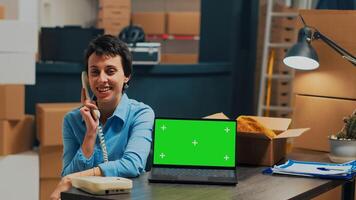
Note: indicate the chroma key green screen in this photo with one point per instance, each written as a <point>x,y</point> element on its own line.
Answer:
<point>194,142</point>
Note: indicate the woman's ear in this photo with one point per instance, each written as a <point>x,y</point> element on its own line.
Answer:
<point>126,80</point>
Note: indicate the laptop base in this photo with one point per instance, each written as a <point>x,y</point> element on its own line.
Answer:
<point>185,180</point>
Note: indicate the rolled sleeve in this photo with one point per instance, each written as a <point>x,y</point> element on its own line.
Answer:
<point>73,157</point>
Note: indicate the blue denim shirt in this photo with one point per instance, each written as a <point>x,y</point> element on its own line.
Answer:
<point>128,137</point>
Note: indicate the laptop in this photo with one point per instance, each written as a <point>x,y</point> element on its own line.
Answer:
<point>194,151</point>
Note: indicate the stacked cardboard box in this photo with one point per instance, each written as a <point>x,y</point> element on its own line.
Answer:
<point>17,49</point>
<point>182,51</point>
<point>329,91</point>
<point>2,12</point>
<point>183,23</point>
<point>49,119</point>
<point>324,115</point>
<point>17,133</point>
<point>283,30</point>
<point>183,27</point>
<point>323,97</point>
<point>151,22</point>
<point>114,15</point>
<point>17,130</point>
<point>177,19</point>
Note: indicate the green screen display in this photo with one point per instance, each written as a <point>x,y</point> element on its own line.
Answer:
<point>194,142</point>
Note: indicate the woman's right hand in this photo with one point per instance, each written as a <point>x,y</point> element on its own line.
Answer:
<point>91,125</point>
<point>88,106</point>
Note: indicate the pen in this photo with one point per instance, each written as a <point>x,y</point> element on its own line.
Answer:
<point>329,169</point>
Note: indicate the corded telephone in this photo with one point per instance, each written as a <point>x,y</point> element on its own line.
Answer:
<point>96,116</point>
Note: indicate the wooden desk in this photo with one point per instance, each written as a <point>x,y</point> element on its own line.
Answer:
<point>252,185</point>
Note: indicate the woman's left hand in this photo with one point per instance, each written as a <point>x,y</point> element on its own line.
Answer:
<point>62,186</point>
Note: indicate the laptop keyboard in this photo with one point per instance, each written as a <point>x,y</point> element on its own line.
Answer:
<point>193,172</point>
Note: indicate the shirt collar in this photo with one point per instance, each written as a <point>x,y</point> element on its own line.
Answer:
<point>121,109</point>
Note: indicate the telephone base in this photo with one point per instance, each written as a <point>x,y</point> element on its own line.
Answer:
<point>102,185</point>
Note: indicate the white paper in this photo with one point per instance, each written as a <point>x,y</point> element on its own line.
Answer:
<point>315,169</point>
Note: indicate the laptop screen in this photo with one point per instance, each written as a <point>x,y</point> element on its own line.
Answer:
<point>194,142</point>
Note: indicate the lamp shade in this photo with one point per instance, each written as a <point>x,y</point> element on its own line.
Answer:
<point>302,55</point>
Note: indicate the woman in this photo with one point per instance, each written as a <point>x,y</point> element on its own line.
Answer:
<point>126,123</point>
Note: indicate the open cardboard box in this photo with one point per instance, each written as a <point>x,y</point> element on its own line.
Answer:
<point>257,148</point>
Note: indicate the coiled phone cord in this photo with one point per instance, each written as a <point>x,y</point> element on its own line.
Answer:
<point>100,134</point>
<point>102,143</point>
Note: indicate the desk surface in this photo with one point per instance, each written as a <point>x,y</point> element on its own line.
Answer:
<point>251,185</point>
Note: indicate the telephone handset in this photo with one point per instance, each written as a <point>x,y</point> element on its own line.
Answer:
<point>85,83</point>
<point>96,115</point>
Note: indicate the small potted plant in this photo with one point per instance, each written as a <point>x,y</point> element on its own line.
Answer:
<point>343,144</point>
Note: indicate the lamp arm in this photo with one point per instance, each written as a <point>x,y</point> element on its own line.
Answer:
<point>345,54</point>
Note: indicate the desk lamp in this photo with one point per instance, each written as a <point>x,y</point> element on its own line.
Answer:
<point>303,56</point>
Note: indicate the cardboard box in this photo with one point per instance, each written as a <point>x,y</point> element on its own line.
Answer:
<point>181,46</point>
<point>183,5</point>
<point>284,34</point>
<point>149,6</point>
<point>49,119</point>
<point>13,40</point>
<point>111,24</point>
<point>119,4</point>
<point>165,5</point>
<point>335,76</point>
<point>323,115</point>
<point>151,22</point>
<point>258,149</point>
<point>17,68</point>
<point>114,13</point>
<point>183,23</point>
<point>12,101</point>
<point>51,161</point>
<point>2,12</point>
<point>179,58</point>
<point>22,10</point>
<point>47,186</point>
<point>17,136</point>
<point>19,176</point>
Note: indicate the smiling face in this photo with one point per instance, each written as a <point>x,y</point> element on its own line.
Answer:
<point>106,78</point>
